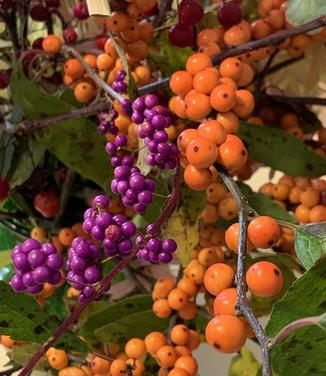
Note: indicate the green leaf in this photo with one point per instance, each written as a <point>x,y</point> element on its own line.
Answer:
<point>183,226</point>
<point>244,364</point>
<point>303,352</point>
<point>137,324</point>
<point>22,318</point>
<point>264,205</point>
<point>263,306</point>
<point>77,144</point>
<point>110,313</point>
<point>310,243</point>
<point>55,303</point>
<point>8,238</point>
<point>22,354</point>
<point>302,11</point>
<point>107,267</point>
<point>27,156</point>
<point>167,57</point>
<point>5,258</point>
<point>281,151</point>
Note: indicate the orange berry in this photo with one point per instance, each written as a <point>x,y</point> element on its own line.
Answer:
<point>229,120</point>
<point>58,359</point>
<point>226,334</point>
<point>209,255</point>
<point>206,36</point>
<point>39,234</point>
<point>7,342</point>
<point>182,350</point>
<point>188,286</point>
<point>212,130</point>
<point>74,69</point>
<point>66,236</point>
<point>280,191</point>
<point>218,277</point>
<point>189,312</point>
<point>185,138</point>
<point>118,367</point>
<point>245,103</point>
<point>302,214</point>
<point>294,195</point>
<point>84,92</point>
<point>180,335</point>
<point>138,50</point>
<point>166,356</point>
<point>197,179</point>
<point>177,299</point>
<point>237,34</point>
<point>227,208</point>
<point>264,278</point>
<point>117,22</point>
<point>196,272</point>
<point>146,31</point>
<point>201,152</point>
<point>231,238</point>
<point>135,366</point>
<point>223,98</point>
<point>215,193</point>
<point>100,366</point>
<point>194,340</point>
<point>131,33</point>
<point>143,73</point>
<point>225,302</point>
<point>260,29</point>
<point>210,49</point>
<point>181,82</point>
<point>197,106</point>
<point>231,67</point>
<point>90,59</point>
<point>287,180</point>
<point>163,287</point>
<point>317,214</point>
<point>188,363</point>
<point>264,232</point>
<point>135,348</point>
<point>154,341</point>
<point>109,48</point>
<point>198,62</point>
<point>232,153</point>
<point>178,372</point>
<point>246,76</point>
<point>162,308</point>
<point>51,44</point>
<point>310,197</point>
<point>72,371</point>
<point>104,62</point>
<point>205,80</point>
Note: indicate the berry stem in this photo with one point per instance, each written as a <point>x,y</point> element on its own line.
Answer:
<point>298,100</point>
<point>288,329</point>
<point>279,66</point>
<point>92,74</point>
<point>105,283</point>
<point>242,302</point>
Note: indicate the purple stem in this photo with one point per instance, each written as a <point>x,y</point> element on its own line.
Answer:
<point>105,283</point>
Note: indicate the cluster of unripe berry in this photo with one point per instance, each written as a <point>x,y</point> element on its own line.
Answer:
<point>303,196</point>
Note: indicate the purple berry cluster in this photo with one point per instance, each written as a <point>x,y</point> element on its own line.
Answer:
<point>152,119</point>
<point>114,231</point>
<point>34,265</point>
<point>83,266</point>
<point>156,250</point>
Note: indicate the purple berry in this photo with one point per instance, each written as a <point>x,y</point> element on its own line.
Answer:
<point>92,274</point>
<point>145,197</point>
<point>150,185</point>
<point>54,261</point>
<point>100,200</point>
<point>165,257</point>
<point>69,35</point>
<point>41,274</point>
<point>97,233</point>
<point>78,265</point>
<point>137,117</point>
<point>153,257</point>
<point>128,160</point>
<point>36,258</point>
<point>125,246</point>
<point>128,229</point>
<point>55,277</point>
<point>122,173</point>
<point>120,75</point>
<point>48,249</point>
<point>111,148</point>
<point>161,136</point>
<point>35,289</point>
<point>139,208</point>
<point>20,262</point>
<point>122,187</point>
<point>113,233</point>
<point>139,104</point>
<point>154,245</point>
<point>137,182</point>
<point>17,283</point>
<point>169,246</point>
<point>103,220</point>
<point>121,140</point>
<point>29,245</point>
<point>28,279</point>
<point>116,161</point>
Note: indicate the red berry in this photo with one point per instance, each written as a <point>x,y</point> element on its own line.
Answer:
<point>190,12</point>
<point>52,3</point>
<point>4,188</point>
<point>39,12</point>
<point>27,60</point>
<point>47,203</point>
<point>56,79</point>
<point>69,35</point>
<point>5,78</point>
<point>151,12</point>
<point>229,14</point>
<point>182,35</point>
<point>6,4</point>
<point>100,42</point>
<point>81,11</point>
<point>37,44</point>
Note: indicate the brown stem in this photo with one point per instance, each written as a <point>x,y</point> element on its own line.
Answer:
<point>242,302</point>
<point>104,285</point>
<point>32,125</point>
<point>271,40</point>
<point>288,329</point>
<point>299,100</point>
<point>92,74</point>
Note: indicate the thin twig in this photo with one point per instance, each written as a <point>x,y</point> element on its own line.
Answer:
<point>104,285</point>
<point>164,6</point>
<point>260,77</point>
<point>32,125</point>
<point>288,329</point>
<point>92,74</point>
<point>65,194</point>
<point>271,40</point>
<point>242,302</point>
<point>283,64</point>
<point>298,100</point>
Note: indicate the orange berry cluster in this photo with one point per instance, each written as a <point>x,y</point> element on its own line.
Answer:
<point>169,296</point>
<point>201,88</point>
<point>304,196</point>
